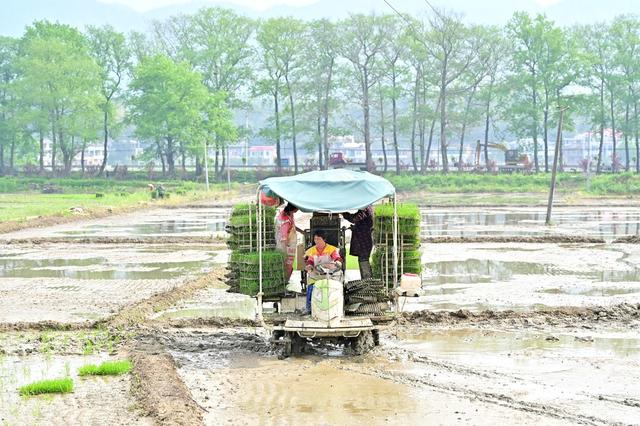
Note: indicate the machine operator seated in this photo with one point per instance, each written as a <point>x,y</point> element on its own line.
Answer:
<point>321,259</point>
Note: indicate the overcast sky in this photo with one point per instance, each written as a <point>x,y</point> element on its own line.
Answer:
<point>145,5</point>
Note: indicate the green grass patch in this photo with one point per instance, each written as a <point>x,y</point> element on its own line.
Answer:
<point>627,183</point>
<point>107,368</point>
<point>47,386</point>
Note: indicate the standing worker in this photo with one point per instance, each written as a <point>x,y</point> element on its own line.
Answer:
<point>286,239</point>
<point>361,238</point>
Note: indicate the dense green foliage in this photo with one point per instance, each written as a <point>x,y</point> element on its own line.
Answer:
<point>387,78</point>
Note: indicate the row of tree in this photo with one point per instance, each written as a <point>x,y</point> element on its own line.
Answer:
<point>387,79</point>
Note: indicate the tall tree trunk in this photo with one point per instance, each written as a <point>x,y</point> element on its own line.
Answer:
<point>198,166</point>
<point>635,126</point>
<point>319,138</point>
<point>84,147</point>
<point>545,121</point>
<point>216,164</point>
<point>614,157</point>
<point>431,130</point>
<point>106,140</point>
<point>277,117</point>
<point>293,125</point>
<point>170,154</point>
<point>12,152</point>
<point>384,149</point>
<point>602,124</point>
<point>534,128</point>
<point>394,109</point>
<point>464,127</point>
<point>325,124</point>
<point>41,159</point>
<point>1,159</point>
<point>367,119</point>
<point>443,118</point>
<point>54,148</point>
<point>416,89</point>
<point>626,135</point>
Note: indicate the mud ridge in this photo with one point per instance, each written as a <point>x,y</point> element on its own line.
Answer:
<point>213,322</point>
<point>160,390</point>
<point>515,239</point>
<point>624,312</point>
<point>629,239</point>
<point>47,326</point>
<point>139,313</point>
<point>116,240</point>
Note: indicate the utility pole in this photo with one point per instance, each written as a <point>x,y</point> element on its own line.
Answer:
<point>552,189</point>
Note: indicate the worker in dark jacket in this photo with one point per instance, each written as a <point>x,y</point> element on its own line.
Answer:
<point>361,238</point>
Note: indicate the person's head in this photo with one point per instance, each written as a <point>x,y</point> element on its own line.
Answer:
<point>319,238</point>
<point>290,208</point>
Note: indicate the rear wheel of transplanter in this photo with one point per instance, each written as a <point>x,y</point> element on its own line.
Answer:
<point>363,343</point>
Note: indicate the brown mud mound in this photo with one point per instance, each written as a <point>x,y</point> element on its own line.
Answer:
<point>159,389</point>
<point>572,316</point>
<point>629,239</point>
<point>516,239</point>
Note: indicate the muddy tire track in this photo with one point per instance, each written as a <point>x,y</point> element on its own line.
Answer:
<point>543,410</point>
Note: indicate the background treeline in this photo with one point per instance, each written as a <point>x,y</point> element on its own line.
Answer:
<point>385,79</point>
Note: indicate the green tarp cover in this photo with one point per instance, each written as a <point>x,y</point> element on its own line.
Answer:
<point>329,191</point>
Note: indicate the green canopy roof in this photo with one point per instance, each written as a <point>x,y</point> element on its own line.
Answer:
<point>329,191</point>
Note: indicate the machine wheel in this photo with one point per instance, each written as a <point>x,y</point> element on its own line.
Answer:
<point>298,344</point>
<point>363,343</point>
<point>376,337</point>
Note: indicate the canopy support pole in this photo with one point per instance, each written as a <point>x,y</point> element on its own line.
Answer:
<point>260,243</point>
<point>395,246</point>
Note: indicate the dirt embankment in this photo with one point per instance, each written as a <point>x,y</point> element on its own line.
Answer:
<point>570,316</point>
<point>159,389</point>
<point>629,239</point>
<point>516,239</point>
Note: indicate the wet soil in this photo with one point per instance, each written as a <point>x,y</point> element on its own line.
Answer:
<point>106,400</point>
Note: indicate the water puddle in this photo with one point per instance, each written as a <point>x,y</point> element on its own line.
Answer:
<point>611,223</point>
<point>122,263</point>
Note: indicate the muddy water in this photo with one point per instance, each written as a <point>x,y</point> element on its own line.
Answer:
<point>573,372</point>
<point>201,222</point>
<point>607,223</point>
<point>75,282</point>
<point>93,401</point>
<point>246,386</point>
<point>527,276</point>
<point>86,262</point>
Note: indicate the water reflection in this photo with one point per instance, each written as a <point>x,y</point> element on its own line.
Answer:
<point>608,223</point>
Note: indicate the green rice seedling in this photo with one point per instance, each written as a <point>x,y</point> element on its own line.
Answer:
<point>107,368</point>
<point>47,386</point>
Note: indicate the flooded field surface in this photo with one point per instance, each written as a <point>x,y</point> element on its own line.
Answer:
<point>579,375</point>
<point>195,222</point>
<point>94,400</point>
<point>249,386</point>
<point>609,223</point>
<point>527,276</point>
<point>74,282</point>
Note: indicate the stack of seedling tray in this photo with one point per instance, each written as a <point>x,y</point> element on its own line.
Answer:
<point>409,255</point>
<point>243,275</point>
<point>366,297</point>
